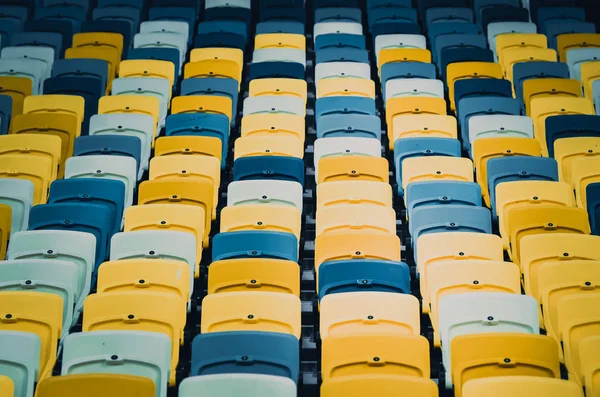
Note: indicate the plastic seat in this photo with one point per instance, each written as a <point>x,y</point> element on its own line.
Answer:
<point>414,88</point>
<point>513,56</point>
<point>589,363</point>
<point>342,70</point>
<point>495,29</point>
<point>293,87</point>
<point>44,56</point>
<point>59,104</point>
<point>285,146</point>
<point>202,104</point>
<point>273,104</point>
<point>350,219</point>
<point>532,41</point>
<point>219,68</point>
<point>345,106</point>
<point>521,386</point>
<point>99,40</point>
<point>406,70</point>
<point>21,358</point>
<point>5,113</point>
<point>259,217</point>
<point>448,14</point>
<point>226,87</point>
<point>280,40</point>
<point>173,13</point>
<point>32,144</point>
<point>567,42</point>
<point>409,106</point>
<point>255,244</point>
<point>550,87</point>
<point>578,57</point>
<point>435,169</point>
<point>423,126</point>
<point>265,192</point>
<point>224,39</point>
<point>34,168</point>
<point>583,173</point>
<point>354,192</point>
<point>269,167</point>
<point>352,246</point>
<point>389,385</point>
<point>190,145</point>
<point>126,146</point>
<point>161,40</point>
<point>344,27</point>
<point>122,27</point>
<point>268,125</point>
<point>444,28</point>
<point>499,126</point>
<point>537,70</point>
<point>35,313</point>
<point>98,384</point>
<point>200,127</point>
<point>18,195</point>
<point>346,87</point>
<point>422,194</point>
<point>157,87</point>
<point>28,68</point>
<point>469,88</point>
<point>278,55</point>
<point>90,89</point>
<point>561,12</point>
<point>266,385</point>
<point>340,40</point>
<point>17,88</point>
<point>348,126</point>
<point>445,43</point>
<point>344,146</point>
<point>391,55</point>
<point>215,353</point>
<point>340,168</point>
<point>467,70</point>
<point>130,104</point>
<point>111,56</point>
<point>94,68</point>
<point>172,27</point>
<point>566,151</point>
<point>276,69</point>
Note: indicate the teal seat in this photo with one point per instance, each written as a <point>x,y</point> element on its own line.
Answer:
<point>18,195</point>
<point>20,360</point>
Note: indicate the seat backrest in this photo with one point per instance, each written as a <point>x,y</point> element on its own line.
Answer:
<point>419,125</point>
<point>358,386</point>
<point>39,144</point>
<point>202,104</point>
<point>344,168</point>
<point>583,173</point>
<point>17,88</point>
<point>278,218</point>
<point>551,87</point>
<point>285,146</point>
<point>34,168</point>
<point>129,104</point>
<point>436,168</point>
<point>20,357</point>
<point>588,356</point>
<point>347,218</point>
<point>271,124</point>
<point>265,192</point>
<point>56,103</point>
<point>354,192</point>
<point>234,384</point>
<point>18,195</point>
<point>108,384</point>
<point>356,246</point>
<point>521,386</point>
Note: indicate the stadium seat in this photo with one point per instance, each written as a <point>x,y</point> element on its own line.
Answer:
<point>25,141</point>
<point>413,88</point>
<point>27,68</point>
<point>265,192</point>
<point>267,125</point>
<point>98,384</point>
<point>499,126</point>
<point>389,385</point>
<point>157,87</point>
<point>344,146</point>
<point>269,167</point>
<point>341,69</point>
<point>217,68</point>
<point>436,168</point>
<point>417,126</point>
<point>111,56</point>
<point>255,244</point>
<point>468,70</point>
<point>276,69</point>
<point>130,104</point>
<point>569,126</point>
<point>345,106</point>
<point>592,195</point>
<point>20,362</point>
<point>349,219</point>
<point>99,40</point>
<point>469,88</point>
<point>521,386</point>
<point>278,218</point>
<point>363,168</point>
<point>197,128</point>
<point>202,104</point>
<point>18,195</point>
<point>524,71</point>
<point>589,363</point>
<point>583,173</point>
<point>352,125</point>
<point>125,146</point>
<point>281,146</point>
<point>94,68</point>
<point>425,194</point>
<point>17,88</point>
<point>346,86</point>
<point>355,193</point>
<point>264,385</point>
<point>34,168</point>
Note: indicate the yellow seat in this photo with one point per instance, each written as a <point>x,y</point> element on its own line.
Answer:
<point>225,54</point>
<point>363,354</point>
<point>452,248</point>
<point>566,42</point>
<point>422,126</point>
<point>562,280</point>
<point>342,246</point>
<point>138,311</point>
<point>374,313</point>
<point>252,311</point>
<point>356,219</point>
<point>357,168</point>
<point>175,217</point>
<point>521,386</point>
<point>31,167</point>
<point>145,275</point>
<point>490,355</point>
<point>278,86</point>
<point>125,104</point>
<point>541,250</point>
<point>5,224</point>
<point>589,357</point>
<point>99,40</point>
<point>38,313</point>
<point>286,146</point>
<point>110,55</point>
<point>57,132</point>
<point>212,68</point>
<point>470,70</point>
<point>189,146</point>
<point>71,105</point>
<point>7,387</point>
<point>268,125</point>
<point>97,385</point>
<point>354,193</point>
<point>549,88</point>
<point>277,218</point>
<point>510,195</point>
<point>489,148</point>
<point>346,87</point>
<point>542,108</point>
<point>583,172</point>
<point>566,151</point>
<point>202,104</point>
<point>436,168</point>
<point>590,72</point>
<point>406,106</point>
<point>513,56</point>
<point>519,40</point>
<point>254,274</point>
<point>379,385</point>
<point>538,219</point>
<point>47,146</point>
<point>388,55</point>
<point>148,68</point>
<point>18,88</point>
<point>280,40</point>
<point>578,319</point>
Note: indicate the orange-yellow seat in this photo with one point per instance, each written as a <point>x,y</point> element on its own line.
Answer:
<point>18,88</point>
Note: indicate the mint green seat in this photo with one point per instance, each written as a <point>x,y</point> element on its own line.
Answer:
<point>20,360</point>
<point>247,385</point>
<point>18,195</point>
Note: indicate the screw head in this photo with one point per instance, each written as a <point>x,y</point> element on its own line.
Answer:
<point>370,317</point>
<point>8,316</point>
<point>461,254</point>
<point>357,252</point>
<point>50,252</point>
<point>114,357</point>
<point>252,281</point>
<point>490,318</point>
<point>131,317</point>
<point>376,359</point>
<point>250,316</point>
<point>151,252</point>
<point>28,282</point>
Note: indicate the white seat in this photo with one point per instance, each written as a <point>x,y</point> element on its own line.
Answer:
<point>500,126</point>
<point>75,247</point>
<point>414,87</point>
<point>18,195</point>
<point>279,55</point>
<point>119,168</point>
<point>337,27</point>
<point>137,353</point>
<point>497,28</point>
<point>386,41</point>
<point>265,192</point>
<point>577,57</point>
<point>162,40</point>
<point>33,69</point>
<point>173,27</point>
<point>158,87</point>
<point>329,70</point>
<point>274,104</point>
<point>20,360</point>
<point>339,146</point>
<point>247,385</point>
<point>42,54</point>
<point>227,3</point>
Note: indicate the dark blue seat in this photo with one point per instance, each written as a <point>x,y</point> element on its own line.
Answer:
<point>553,30</point>
<point>5,113</point>
<point>224,40</point>
<point>161,54</point>
<point>74,15</point>
<point>519,168</point>
<point>269,167</point>
<point>193,4</point>
<point>551,15</point>
<point>341,40</point>
<point>431,193</point>
<point>267,70</point>
<point>182,14</point>
<point>29,5</point>
<point>351,125</point>
<point>374,4</point>
<point>280,27</point>
<point>110,26</point>
<point>78,217</point>
<point>449,14</point>
<point>464,54</point>
<point>255,244</point>
<point>81,4</point>
<point>443,28</point>
<point>422,147</point>
<point>452,41</point>
<point>8,27</point>
<point>471,88</point>
<point>109,145</point>
<point>246,352</point>
<point>425,5</point>
<point>344,105</point>
<point>65,28</point>
<point>391,15</point>
<point>395,28</point>
<point>592,194</point>
<point>480,5</point>
<point>213,86</point>
<point>237,27</point>
<point>292,14</point>
<point>502,14</point>
<point>338,14</point>
<point>570,126</point>
<point>92,68</point>
<point>228,14</point>
<point>18,13</point>
<point>449,218</point>
<point>100,191</point>
<point>534,5</point>
<point>130,15</point>
<point>537,70</point>
<point>342,55</point>
<point>45,39</point>
<point>338,3</point>
<point>406,70</point>
<point>363,275</point>
<point>281,3</point>
<point>138,4</point>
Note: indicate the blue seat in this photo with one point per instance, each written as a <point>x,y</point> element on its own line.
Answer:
<point>391,15</point>
<point>193,4</point>
<point>228,14</point>
<point>427,194</point>
<point>570,126</point>
<point>130,15</point>
<point>449,218</point>
<point>292,14</point>
<point>422,147</point>
<point>449,14</point>
<point>161,54</point>
<point>406,70</point>
<point>65,28</point>
<point>553,30</point>
<point>182,14</point>
<point>459,40</point>
<point>81,4</point>
<point>481,106</point>
<point>373,4</point>
<point>518,168</point>
<point>464,54</point>
<point>74,15</point>
<point>100,191</point>
<point>45,39</point>
<point>352,125</point>
<point>5,113</point>
<point>225,40</point>
<point>471,88</point>
<point>109,26</point>
<point>444,28</point>
<point>338,14</point>
<point>29,5</point>
<point>342,55</point>
<point>213,86</point>
<point>592,194</point>
<point>425,5</point>
<point>502,14</point>
<point>340,40</point>
<point>237,27</point>
<point>550,15</point>
<point>281,3</point>
<point>18,13</point>
<point>78,217</point>
<point>523,71</point>
<point>255,244</point>
<point>395,28</point>
<point>363,275</point>
<point>339,3</point>
<point>280,27</point>
<point>534,6</point>
<point>269,167</point>
<point>344,105</point>
<point>8,27</point>
<point>138,4</point>
<point>93,68</point>
<point>90,88</point>
<point>246,352</point>
<point>109,145</point>
<point>480,5</point>
<point>267,70</point>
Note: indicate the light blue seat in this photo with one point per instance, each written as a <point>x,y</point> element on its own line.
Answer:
<point>352,125</point>
<point>497,28</point>
<point>162,40</point>
<point>344,105</point>
<point>43,39</point>
<point>18,194</point>
<point>249,385</point>
<point>553,30</point>
<point>277,104</point>
<point>28,68</point>
<point>498,126</point>
<point>342,69</point>
<point>42,55</point>
<point>157,87</point>
<point>577,57</point>
<point>426,194</point>
<point>280,27</point>
<point>20,360</point>
<point>414,87</point>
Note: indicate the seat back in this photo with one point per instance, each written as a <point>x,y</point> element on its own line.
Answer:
<point>111,384</point>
